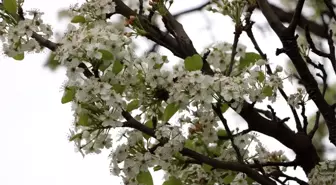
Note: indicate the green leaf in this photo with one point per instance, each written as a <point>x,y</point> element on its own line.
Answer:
<point>69,95</point>
<point>229,178</point>
<point>173,181</point>
<point>193,63</point>
<point>158,66</point>
<point>221,132</point>
<point>106,55</point>
<point>51,63</point>
<point>170,110</point>
<point>145,178</point>
<point>157,168</point>
<point>117,67</point>
<point>261,76</point>
<point>164,58</point>
<point>78,19</point>
<point>19,56</point>
<point>250,58</point>
<point>224,107</point>
<point>206,167</point>
<point>83,119</point>
<point>189,144</point>
<point>104,65</point>
<point>267,91</point>
<point>250,181</point>
<point>79,135</point>
<point>149,124</point>
<point>119,88</point>
<point>10,6</point>
<point>132,105</point>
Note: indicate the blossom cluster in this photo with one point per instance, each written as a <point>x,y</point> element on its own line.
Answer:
<point>233,9</point>
<point>323,173</point>
<point>106,79</point>
<point>93,10</point>
<point>16,36</point>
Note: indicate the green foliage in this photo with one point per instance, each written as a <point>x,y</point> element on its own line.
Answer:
<point>78,19</point>
<point>10,6</point>
<point>229,178</point>
<point>224,107</point>
<point>132,105</point>
<point>221,132</point>
<point>170,110</point>
<point>69,94</point>
<point>145,178</point>
<point>51,63</point>
<point>267,90</point>
<point>261,76</point>
<point>173,181</point>
<point>19,56</point>
<point>157,168</point>
<point>83,119</point>
<point>76,136</point>
<point>250,58</point>
<point>119,88</point>
<point>106,55</point>
<point>117,67</point>
<point>206,167</point>
<point>193,63</point>
<point>149,124</point>
<point>189,144</point>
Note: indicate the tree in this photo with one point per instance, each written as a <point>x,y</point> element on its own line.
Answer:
<point>173,119</point>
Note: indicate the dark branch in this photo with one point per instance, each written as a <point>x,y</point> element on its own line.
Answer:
<point>234,166</point>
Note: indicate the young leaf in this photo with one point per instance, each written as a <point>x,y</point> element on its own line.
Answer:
<point>69,94</point>
<point>104,65</point>
<point>144,178</point>
<point>83,120</point>
<point>250,58</point>
<point>157,168</point>
<point>10,6</point>
<point>170,110</point>
<point>51,63</point>
<point>79,135</point>
<point>173,181</point>
<point>267,91</point>
<point>206,167</point>
<point>193,63</point>
<point>132,105</point>
<point>224,107</point>
<point>106,55</point>
<point>149,124</point>
<point>229,178</point>
<point>261,76</point>
<point>221,132</point>
<point>189,144</point>
<point>117,67</point>
<point>19,56</point>
<point>119,88</point>
<point>78,19</point>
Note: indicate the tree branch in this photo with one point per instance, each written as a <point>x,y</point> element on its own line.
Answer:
<point>291,49</point>
<point>234,166</point>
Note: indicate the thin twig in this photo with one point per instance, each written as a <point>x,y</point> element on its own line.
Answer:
<point>229,133</point>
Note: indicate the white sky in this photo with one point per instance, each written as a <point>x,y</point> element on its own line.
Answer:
<point>34,123</point>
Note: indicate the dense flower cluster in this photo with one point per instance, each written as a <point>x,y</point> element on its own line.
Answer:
<point>234,8</point>
<point>16,36</point>
<point>324,173</point>
<point>93,10</point>
<point>106,79</point>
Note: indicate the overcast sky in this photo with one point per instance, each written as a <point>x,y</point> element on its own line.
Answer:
<point>34,123</point>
